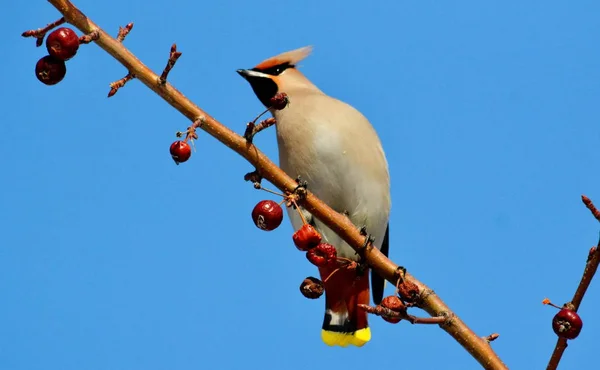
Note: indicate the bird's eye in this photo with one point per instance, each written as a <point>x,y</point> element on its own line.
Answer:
<point>277,70</point>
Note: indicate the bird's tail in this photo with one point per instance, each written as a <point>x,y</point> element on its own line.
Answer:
<point>344,323</point>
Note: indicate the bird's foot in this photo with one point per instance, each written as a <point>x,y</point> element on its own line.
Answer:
<point>368,237</point>
<point>300,189</point>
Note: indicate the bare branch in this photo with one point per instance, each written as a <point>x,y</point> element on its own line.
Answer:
<point>475,345</point>
<point>591,265</point>
<point>40,33</point>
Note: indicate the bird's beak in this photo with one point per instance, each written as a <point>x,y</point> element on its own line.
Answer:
<point>242,72</point>
<point>248,73</point>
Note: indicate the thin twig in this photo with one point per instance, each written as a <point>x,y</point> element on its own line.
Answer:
<point>338,223</point>
<point>124,31</point>
<point>591,265</point>
<point>588,203</point>
<point>173,56</point>
<point>384,311</point>
<point>115,86</point>
<point>252,129</point>
<point>40,33</point>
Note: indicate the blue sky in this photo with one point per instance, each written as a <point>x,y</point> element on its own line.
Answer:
<point>112,257</point>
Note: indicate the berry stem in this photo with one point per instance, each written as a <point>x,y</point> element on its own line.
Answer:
<point>293,201</point>
<point>272,192</point>
<point>337,269</point>
<point>92,36</point>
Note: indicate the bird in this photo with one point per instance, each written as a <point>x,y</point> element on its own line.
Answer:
<point>333,148</point>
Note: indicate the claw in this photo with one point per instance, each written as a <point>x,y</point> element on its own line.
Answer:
<point>300,190</point>
<point>363,231</point>
<point>368,240</point>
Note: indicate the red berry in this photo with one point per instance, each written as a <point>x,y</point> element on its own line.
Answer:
<point>279,101</point>
<point>395,304</point>
<point>180,151</point>
<point>62,43</point>
<point>50,70</point>
<point>312,288</point>
<point>567,324</point>
<point>306,237</point>
<point>322,255</point>
<point>267,215</point>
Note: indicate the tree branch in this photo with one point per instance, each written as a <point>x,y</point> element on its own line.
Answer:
<point>429,301</point>
<point>591,265</point>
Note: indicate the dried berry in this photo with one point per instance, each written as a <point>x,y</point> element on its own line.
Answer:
<point>567,324</point>
<point>312,288</point>
<point>392,320</point>
<point>395,304</point>
<point>279,101</point>
<point>306,237</point>
<point>62,43</point>
<point>50,70</point>
<point>322,255</point>
<point>409,291</point>
<point>180,151</point>
<point>267,215</point>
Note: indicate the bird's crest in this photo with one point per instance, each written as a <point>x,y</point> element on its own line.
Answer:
<point>291,57</point>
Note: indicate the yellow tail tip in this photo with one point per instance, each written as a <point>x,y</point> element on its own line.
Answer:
<point>357,338</point>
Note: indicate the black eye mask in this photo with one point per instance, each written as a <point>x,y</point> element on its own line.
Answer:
<point>275,70</point>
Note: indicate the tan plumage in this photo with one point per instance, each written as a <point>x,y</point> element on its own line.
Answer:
<point>335,149</point>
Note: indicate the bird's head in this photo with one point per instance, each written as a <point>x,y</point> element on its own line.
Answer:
<point>278,74</point>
